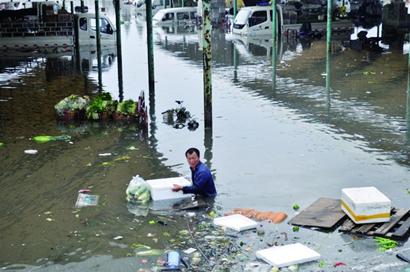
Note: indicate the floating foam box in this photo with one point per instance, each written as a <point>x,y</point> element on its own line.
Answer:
<point>236,222</point>
<point>365,205</point>
<point>281,256</point>
<point>161,189</point>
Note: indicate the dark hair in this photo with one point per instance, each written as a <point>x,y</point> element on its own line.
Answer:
<point>192,150</point>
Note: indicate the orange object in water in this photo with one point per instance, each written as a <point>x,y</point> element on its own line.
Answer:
<point>273,217</point>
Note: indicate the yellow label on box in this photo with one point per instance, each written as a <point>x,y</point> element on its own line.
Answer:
<point>359,218</point>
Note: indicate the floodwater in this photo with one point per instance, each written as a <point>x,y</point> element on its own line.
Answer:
<point>270,147</point>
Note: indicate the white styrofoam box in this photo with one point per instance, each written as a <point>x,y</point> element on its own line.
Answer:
<point>161,189</point>
<point>236,222</point>
<point>366,205</point>
<point>281,256</point>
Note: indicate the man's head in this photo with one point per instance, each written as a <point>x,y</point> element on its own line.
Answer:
<point>192,156</point>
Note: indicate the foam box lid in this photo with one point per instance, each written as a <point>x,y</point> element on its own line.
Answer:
<point>161,189</point>
<point>167,183</point>
<point>365,195</point>
<point>236,222</point>
<point>281,256</point>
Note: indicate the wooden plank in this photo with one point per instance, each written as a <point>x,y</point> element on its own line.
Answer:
<point>403,230</point>
<point>363,229</point>
<point>323,213</point>
<point>347,226</point>
<point>395,218</point>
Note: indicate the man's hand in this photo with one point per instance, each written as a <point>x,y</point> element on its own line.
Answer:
<point>176,188</point>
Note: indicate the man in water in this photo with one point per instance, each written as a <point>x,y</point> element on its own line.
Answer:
<point>202,181</point>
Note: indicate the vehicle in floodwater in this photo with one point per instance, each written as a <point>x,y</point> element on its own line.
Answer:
<point>47,25</point>
<point>257,20</point>
<point>170,16</point>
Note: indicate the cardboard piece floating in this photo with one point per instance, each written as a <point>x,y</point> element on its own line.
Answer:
<point>281,256</point>
<point>161,189</point>
<point>236,222</point>
<point>365,205</point>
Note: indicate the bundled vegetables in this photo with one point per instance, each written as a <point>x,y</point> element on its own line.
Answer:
<point>100,104</point>
<point>71,104</point>
<point>102,107</point>
<point>138,191</point>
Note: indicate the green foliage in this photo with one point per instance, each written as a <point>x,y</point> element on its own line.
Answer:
<point>296,207</point>
<point>127,107</point>
<point>72,103</point>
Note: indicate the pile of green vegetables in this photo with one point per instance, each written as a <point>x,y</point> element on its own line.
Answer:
<point>72,103</point>
<point>99,104</point>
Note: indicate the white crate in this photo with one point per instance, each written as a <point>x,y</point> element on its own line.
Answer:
<point>161,189</point>
<point>365,205</point>
<point>281,256</point>
<point>236,222</point>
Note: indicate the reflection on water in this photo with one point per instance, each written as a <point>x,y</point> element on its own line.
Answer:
<point>314,134</point>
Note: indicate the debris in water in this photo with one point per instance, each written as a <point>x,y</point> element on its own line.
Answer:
<point>295,228</point>
<point>45,138</point>
<point>119,237</point>
<point>339,264</point>
<point>189,250</point>
<point>132,148</point>
<point>322,263</point>
<point>49,219</point>
<point>85,200</point>
<point>385,243</point>
<point>296,207</point>
<point>150,252</point>
<point>122,158</point>
<point>31,151</point>
<point>151,222</point>
<point>1,145</point>
<point>104,154</point>
<point>106,164</point>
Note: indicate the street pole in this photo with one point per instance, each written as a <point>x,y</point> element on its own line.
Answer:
<point>207,58</point>
<point>117,6</point>
<point>150,46</point>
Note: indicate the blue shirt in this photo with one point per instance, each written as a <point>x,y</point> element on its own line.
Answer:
<point>202,182</point>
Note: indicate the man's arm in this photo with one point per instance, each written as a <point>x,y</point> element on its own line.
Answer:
<point>198,186</point>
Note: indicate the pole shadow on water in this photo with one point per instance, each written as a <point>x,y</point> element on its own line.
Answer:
<point>98,38</point>
<point>328,52</point>
<point>235,63</point>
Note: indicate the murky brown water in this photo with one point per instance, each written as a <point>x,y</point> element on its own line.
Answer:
<point>269,147</point>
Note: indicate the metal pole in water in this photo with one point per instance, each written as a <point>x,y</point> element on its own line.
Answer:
<point>82,5</point>
<point>117,6</point>
<point>97,29</point>
<point>182,3</point>
<point>235,8</point>
<point>150,46</point>
<point>207,57</point>
<point>274,42</point>
<point>72,7</point>
<point>328,47</point>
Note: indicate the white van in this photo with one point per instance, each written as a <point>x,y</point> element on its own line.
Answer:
<point>169,16</point>
<point>87,30</point>
<point>257,20</point>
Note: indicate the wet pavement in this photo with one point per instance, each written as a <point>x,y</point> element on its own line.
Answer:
<point>270,147</point>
